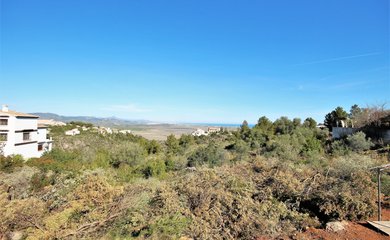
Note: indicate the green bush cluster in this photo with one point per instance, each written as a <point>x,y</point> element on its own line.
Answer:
<point>356,142</point>
<point>9,163</point>
<point>275,178</point>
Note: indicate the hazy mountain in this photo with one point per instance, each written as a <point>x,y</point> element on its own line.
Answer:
<point>106,122</point>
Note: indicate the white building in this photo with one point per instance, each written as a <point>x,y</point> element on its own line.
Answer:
<point>72,132</point>
<point>104,130</point>
<point>199,132</point>
<point>213,129</point>
<point>20,134</point>
<point>125,131</point>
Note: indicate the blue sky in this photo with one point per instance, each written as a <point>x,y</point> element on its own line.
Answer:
<point>194,61</point>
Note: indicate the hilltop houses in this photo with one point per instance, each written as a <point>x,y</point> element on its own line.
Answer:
<point>21,134</point>
<point>101,130</point>
<point>199,132</point>
<point>213,129</point>
<point>72,132</point>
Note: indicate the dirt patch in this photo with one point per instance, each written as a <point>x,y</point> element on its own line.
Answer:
<point>354,230</point>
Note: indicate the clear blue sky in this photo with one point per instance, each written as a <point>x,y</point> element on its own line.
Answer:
<point>194,61</point>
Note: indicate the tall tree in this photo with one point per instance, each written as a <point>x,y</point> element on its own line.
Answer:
<point>335,118</point>
<point>310,123</point>
<point>283,125</point>
<point>265,126</point>
<point>244,126</point>
<point>245,131</point>
<point>296,122</point>
<point>354,114</point>
<point>172,144</point>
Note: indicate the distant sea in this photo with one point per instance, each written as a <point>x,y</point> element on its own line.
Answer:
<point>227,125</point>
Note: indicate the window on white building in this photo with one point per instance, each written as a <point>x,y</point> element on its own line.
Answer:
<point>26,136</point>
<point>3,137</point>
<point>3,122</point>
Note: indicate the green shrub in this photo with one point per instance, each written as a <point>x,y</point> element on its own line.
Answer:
<point>9,163</point>
<point>126,174</point>
<point>102,160</point>
<point>153,147</point>
<point>186,140</point>
<point>131,154</point>
<point>312,147</point>
<point>339,200</point>
<point>339,148</point>
<point>172,144</point>
<point>169,226</point>
<point>286,147</point>
<point>212,155</point>
<point>175,163</point>
<point>41,180</point>
<point>62,155</point>
<point>44,163</point>
<point>154,167</point>
<point>358,142</point>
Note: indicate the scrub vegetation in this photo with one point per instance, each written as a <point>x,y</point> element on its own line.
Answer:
<point>276,178</point>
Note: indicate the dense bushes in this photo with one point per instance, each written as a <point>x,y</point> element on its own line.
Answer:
<point>358,142</point>
<point>9,163</point>
<point>229,202</point>
<point>131,154</point>
<point>277,177</point>
<point>212,155</point>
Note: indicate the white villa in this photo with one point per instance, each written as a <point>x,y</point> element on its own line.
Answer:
<point>213,129</point>
<point>72,132</point>
<point>21,134</point>
<point>199,132</point>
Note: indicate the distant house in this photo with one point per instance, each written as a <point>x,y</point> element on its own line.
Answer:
<point>21,134</point>
<point>72,132</point>
<point>104,130</point>
<point>199,132</point>
<point>321,126</point>
<point>125,131</point>
<point>213,129</point>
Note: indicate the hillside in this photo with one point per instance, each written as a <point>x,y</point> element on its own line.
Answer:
<point>105,122</point>
<point>273,181</point>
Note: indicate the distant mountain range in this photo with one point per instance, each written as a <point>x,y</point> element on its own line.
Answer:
<point>105,122</point>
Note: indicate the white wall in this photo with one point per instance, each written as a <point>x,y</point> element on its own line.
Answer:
<point>339,132</point>
<point>26,123</point>
<point>9,146</point>
<point>42,135</point>
<point>28,150</point>
<point>19,137</point>
<point>47,144</point>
